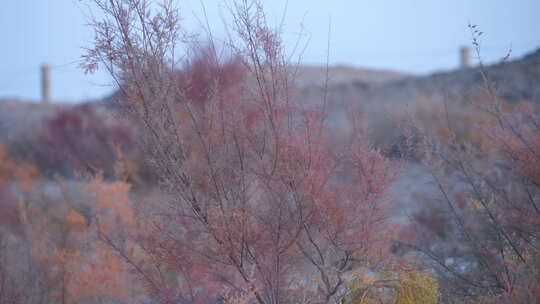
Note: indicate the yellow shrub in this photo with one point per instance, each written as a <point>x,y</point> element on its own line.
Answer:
<point>417,288</point>
<point>410,287</point>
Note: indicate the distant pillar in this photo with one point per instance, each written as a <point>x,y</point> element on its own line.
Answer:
<point>465,57</point>
<point>45,84</point>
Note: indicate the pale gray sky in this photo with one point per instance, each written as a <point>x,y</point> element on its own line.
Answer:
<point>415,36</point>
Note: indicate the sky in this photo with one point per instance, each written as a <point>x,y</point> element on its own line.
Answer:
<point>414,36</point>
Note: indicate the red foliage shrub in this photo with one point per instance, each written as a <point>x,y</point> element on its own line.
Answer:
<point>80,138</point>
<point>202,75</point>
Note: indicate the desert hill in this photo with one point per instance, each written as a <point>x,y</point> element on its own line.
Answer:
<point>516,80</point>
<point>377,90</point>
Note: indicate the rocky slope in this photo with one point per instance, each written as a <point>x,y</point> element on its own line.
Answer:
<point>516,80</point>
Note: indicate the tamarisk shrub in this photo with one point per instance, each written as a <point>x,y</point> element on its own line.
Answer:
<point>260,194</point>
<point>493,219</point>
<point>80,139</point>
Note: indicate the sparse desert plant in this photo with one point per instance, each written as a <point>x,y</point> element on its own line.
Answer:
<point>488,252</point>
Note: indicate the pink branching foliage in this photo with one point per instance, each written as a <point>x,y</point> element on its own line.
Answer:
<point>259,190</point>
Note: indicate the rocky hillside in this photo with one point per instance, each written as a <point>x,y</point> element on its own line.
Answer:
<point>378,90</point>
<point>16,115</point>
<point>517,80</point>
<point>308,76</point>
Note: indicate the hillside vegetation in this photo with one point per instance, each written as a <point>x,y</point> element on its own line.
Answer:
<point>246,179</point>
